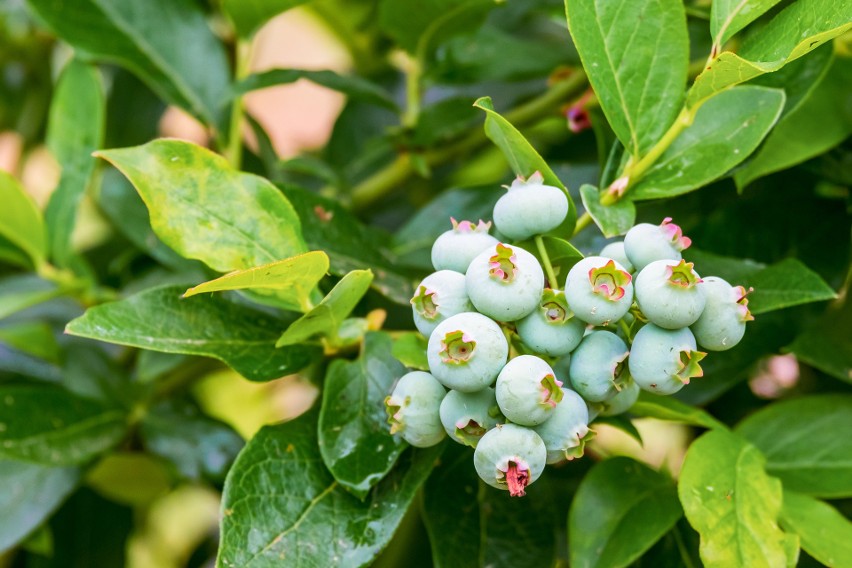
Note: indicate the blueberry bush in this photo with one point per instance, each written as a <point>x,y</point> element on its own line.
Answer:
<point>543,239</point>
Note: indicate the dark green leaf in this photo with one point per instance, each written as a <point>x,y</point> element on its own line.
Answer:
<point>74,131</point>
<point>636,55</point>
<point>613,220</point>
<point>727,17</point>
<point>203,325</point>
<point>51,426</point>
<point>409,348</point>
<point>726,130</point>
<point>20,292</point>
<point>432,22</point>
<point>825,534</point>
<point>30,494</point>
<point>31,337</point>
<point>282,506</point>
<point>827,342</point>
<point>784,284</point>
<point>162,41</point>
<point>620,510</point>
<point>354,437</point>
<point>732,503</point>
<point>20,220</point>
<point>667,408</point>
<point>249,15</point>
<point>735,270</point>
<point>621,422</point>
<point>804,443</point>
<point>351,85</point>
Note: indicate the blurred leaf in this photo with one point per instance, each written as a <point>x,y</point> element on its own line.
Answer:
<point>799,78</point>
<point>409,348</point>
<point>432,21</point>
<point>74,131</point>
<point>249,15</point>
<point>281,505</point>
<point>168,43</point>
<point>30,494</point>
<point>354,437</point>
<point>826,343</point>
<point>636,56</point>
<point>619,511</point>
<point>620,422</point>
<point>804,443</point>
<point>735,270</point>
<point>353,86</point>
<point>20,363</point>
<point>20,292</point>
<point>32,337</point>
<point>325,319</point>
<point>725,131</point>
<point>825,534</point>
<point>20,220</point>
<point>204,325</point>
<point>130,478</point>
<point>667,408</point>
<point>293,279</point>
<point>784,284</point>
<point>523,159</point>
<point>613,220</point>
<point>732,503</point>
<point>727,17</point>
<point>444,120</point>
<point>51,426</point>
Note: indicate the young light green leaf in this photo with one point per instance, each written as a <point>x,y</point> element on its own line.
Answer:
<point>161,41</point>
<point>728,17</point>
<point>282,506</point>
<point>784,284</point>
<point>725,131</point>
<point>325,318</point>
<point>824,533</point>
<point>206,210</point>
<point>636,55</point>
<point>31,492</point>
<point>51,426</point>
<point>210,326</point>
<point>21,222</point>
<point>353,418</point>
<point>668,408</point>
<point>351,85</point>
<point>619,511</point>
<point>75,129</point>
<point>409,348</point>
<point>522,157</point>
<point>804,443</point>
<point>612,220</point>
<point>732,503</point>
<point>292,279</point>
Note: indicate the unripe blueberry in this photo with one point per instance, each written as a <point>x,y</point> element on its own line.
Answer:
<point>620,403</point>
<point>527,390</point>
<point>530,208</point>
<point>722,323</point>
<point>645,243</point>
<point>662,361</point>
<point>598,290</point>
<point>668,295</point>
<point>468,416</point>
<point>510,457</point>
<point>615,251</point>
<point>454,249</point>
<point>439,296</point>
<point>566,432</point>
<point>412,409</point>
<point>466,352</point>
<point>597,366</point>
<point>505,283</point>
<point>551,329</point>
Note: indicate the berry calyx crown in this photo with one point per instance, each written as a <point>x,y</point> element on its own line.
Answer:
<point>740,294</point>
<point>516,477</point>
<point>469,227</point>
<point>503,264</point>
<point>551,391</point>
<point>583,436</point>
<point>675,234</point>
<point>608,281</point>
<point>424,302</point>
<point>554,307</point>
<point>682,275</point>
<point>393,407</point>
<point>537,178</point>
<point>457,348</point>
<point>469,431</point>
<point>688,366</point>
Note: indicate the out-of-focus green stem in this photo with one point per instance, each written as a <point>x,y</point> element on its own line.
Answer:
<point>545,258</point>
<point>234,150</point>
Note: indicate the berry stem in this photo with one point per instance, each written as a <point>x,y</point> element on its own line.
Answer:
<point>583,221</point>
<point>625,328</point>
<point>548,268</point>
<point>234,150</point>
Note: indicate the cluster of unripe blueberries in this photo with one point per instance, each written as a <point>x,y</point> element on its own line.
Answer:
<point>627,320</point>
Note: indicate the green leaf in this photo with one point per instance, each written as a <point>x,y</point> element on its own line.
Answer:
<point>826,343</point>
<point>20,292</point>
<point>409,348</point>
<point>168,43</point>
<point>804,443</point>
<point>522,158</point>
<point>31,492</point>
<point>727,17</point>
<point>32,337</point>
<point>732,503</point>
<point>667,408</point>
<point>612,220</point>
<point>293,279</point>
<point>725,131</point>
<point>824,533</point>
<point>353,86</point>
<point>619,511</point>
<point>433,21</point>
<point>784,284</point>
<point>211,326</point>
<point>325,319</point>
<point>20,220</point>
<point>75,129</point>
<point>204,209</point>
<point>821,122</point>
<point>249,15</point>
<point>281,506</point>
<point>636,55</point>
<point>51,426</point>
<point>354,437</point>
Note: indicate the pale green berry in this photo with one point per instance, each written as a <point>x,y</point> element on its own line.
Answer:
<point>412,409</point>
<point>598,366</point>
<point>645,243</point>
<point>466,352</point>
<point>510,457</point>
<point>527,390</point>
<point>723,321</point>
<point>551,329</point>
<point>599,290</point>
<point>505,283</point>
<point>439,296</point>
<point>468,416</point>
<point>454,249</point>
<point>668,295</point>
<point>566,432</point>
<point>662,361</point>
<point>530,208</point>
